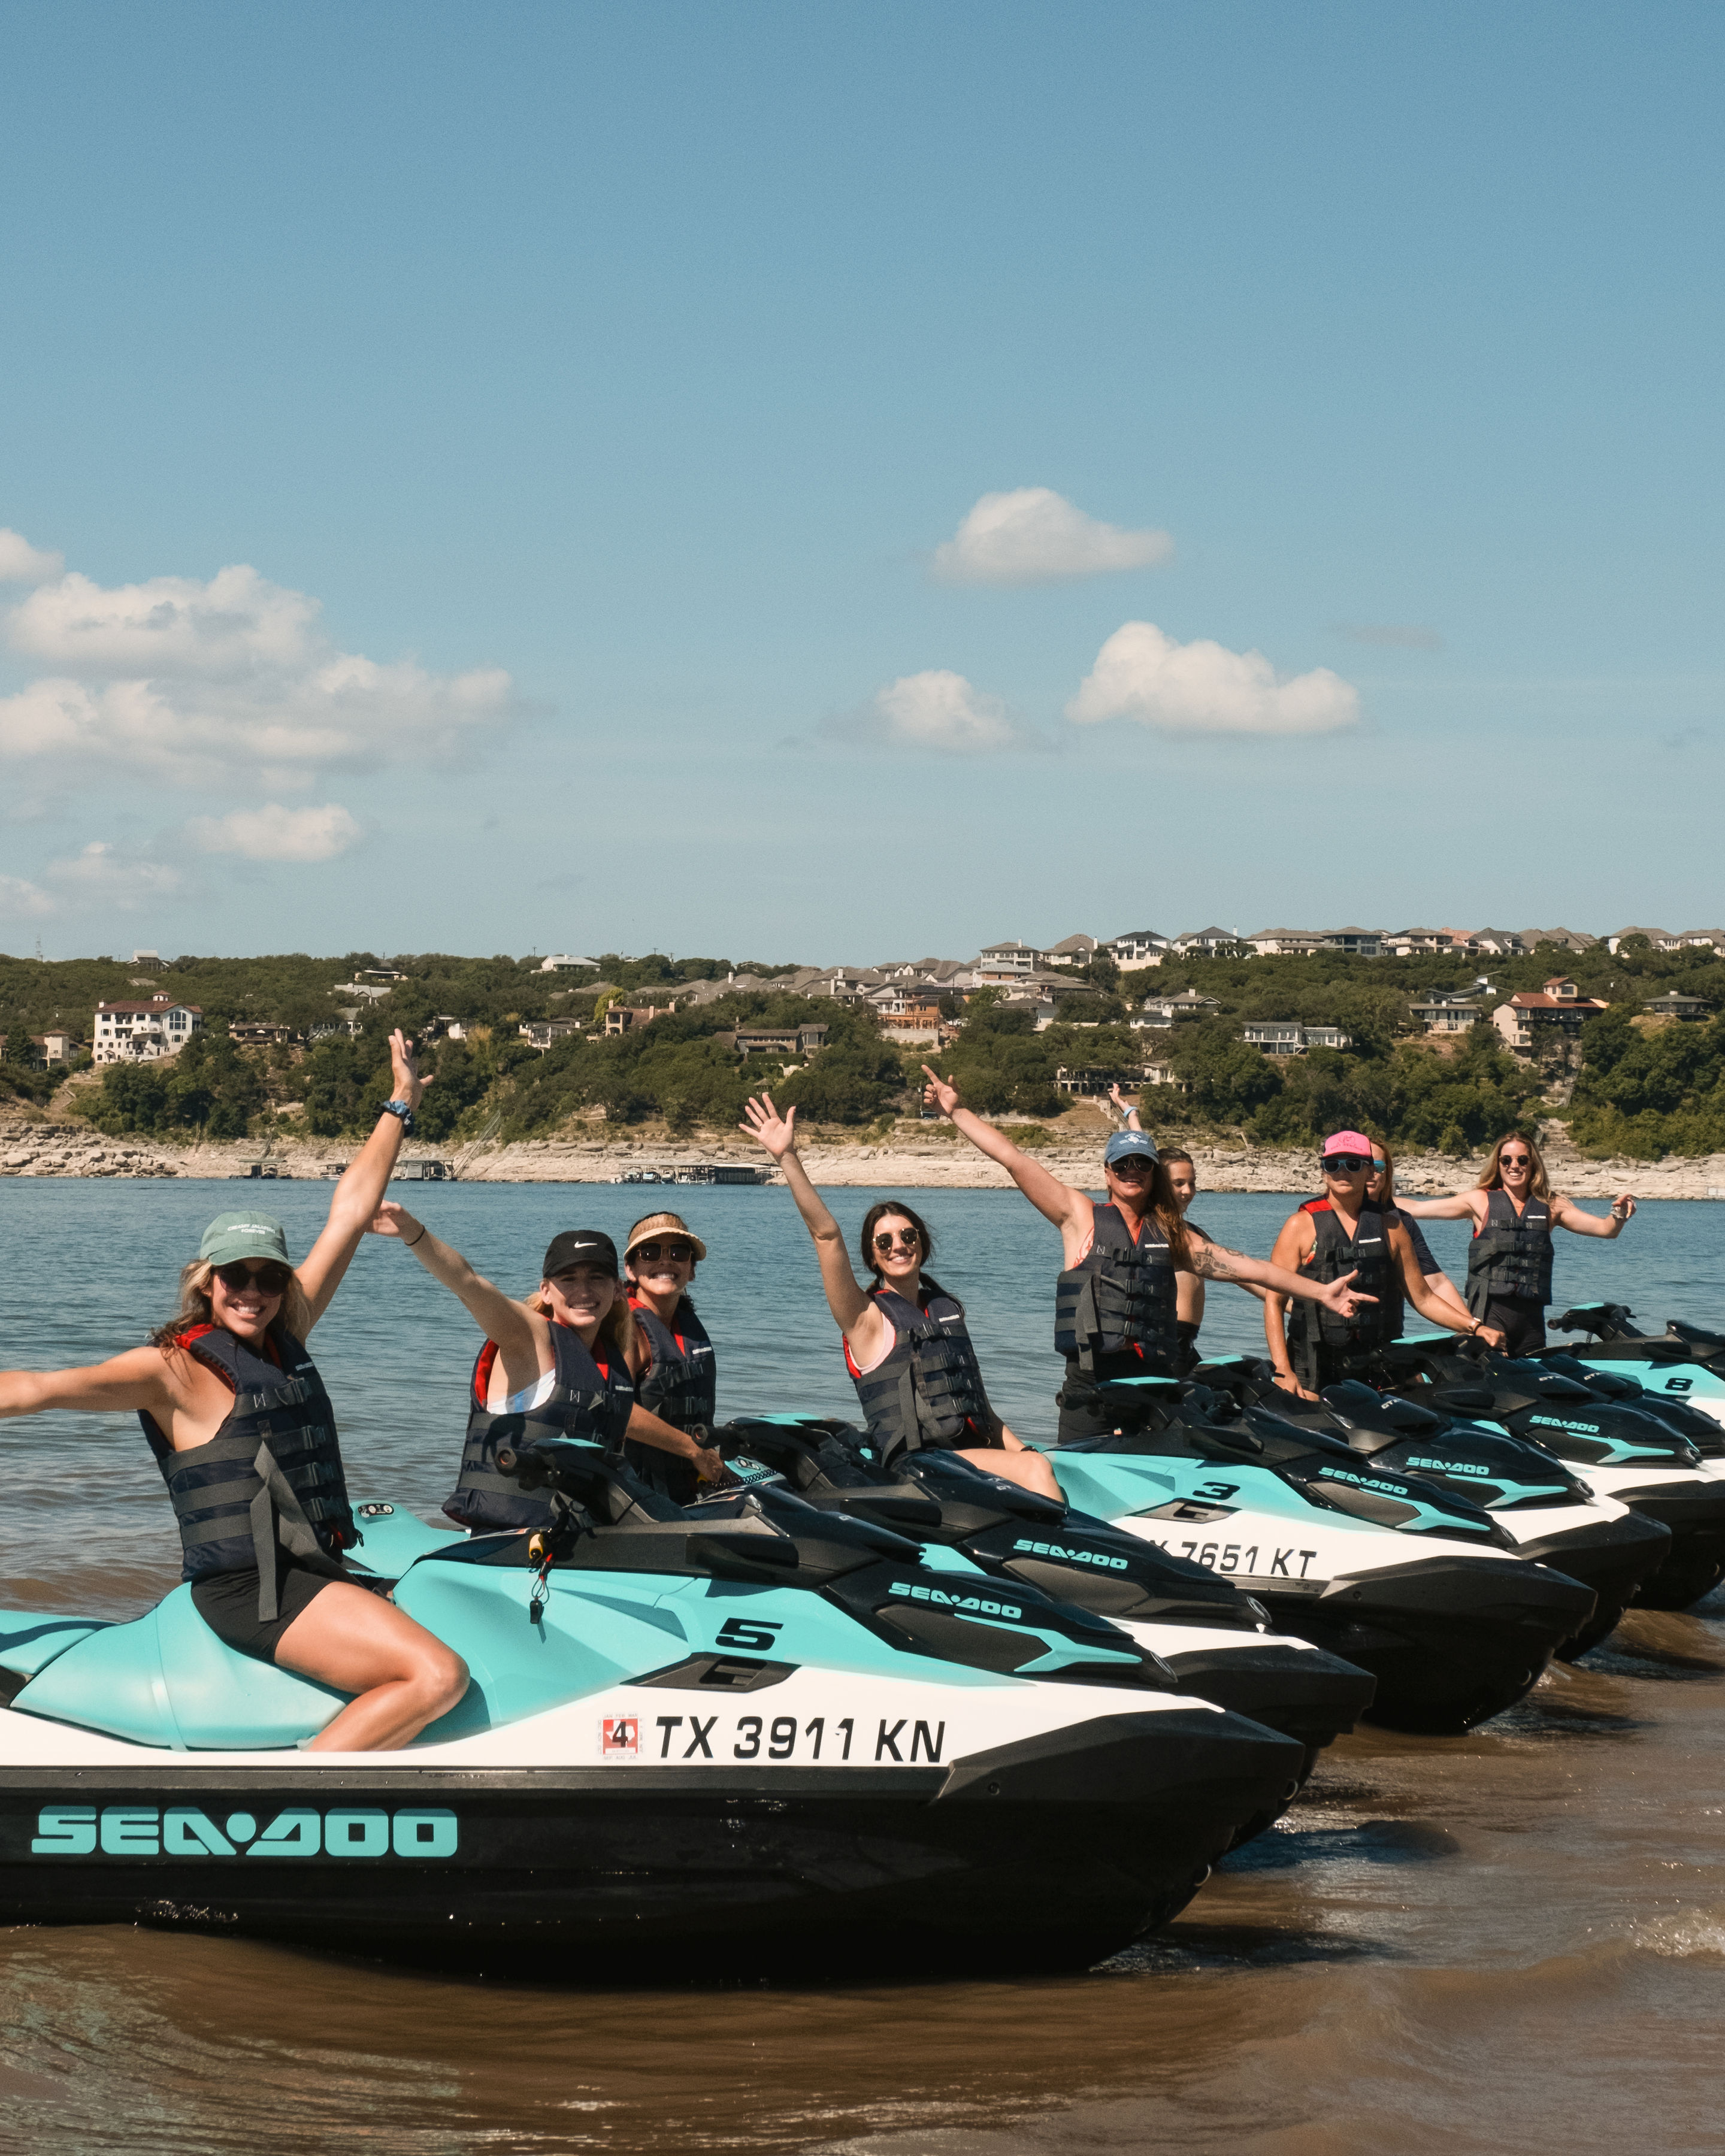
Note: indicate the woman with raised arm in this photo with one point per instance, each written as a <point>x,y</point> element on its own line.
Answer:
<point>1182,1181</point>
<point>244,1434</point>
<point>1116,1300</point>
<point>1513,1209</point>
<point>554,1364</point>
<point>907,1345</point>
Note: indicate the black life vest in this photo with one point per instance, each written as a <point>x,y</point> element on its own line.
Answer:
<point>681,1388</point>
<point>1120,1299</point>
<point>271,1476</point>
<point>591,1401</point>
<point>928,1390</point>
<point>1511,1253</point>
<point>1312,1327</point>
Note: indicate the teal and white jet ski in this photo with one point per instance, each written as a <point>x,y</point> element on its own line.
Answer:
<point>1684,1365</point>
<point>1391,1572</point>
<point>714,1743</point>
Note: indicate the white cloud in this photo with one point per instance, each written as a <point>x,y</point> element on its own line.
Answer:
<point>99,875</point>
<point>1203,687</point>
<point>1033,535</point>
<point>194,682</point>
<point>275,833</point>
<point>20,901</point>
<point>938,709</point>
<point>22,563</point>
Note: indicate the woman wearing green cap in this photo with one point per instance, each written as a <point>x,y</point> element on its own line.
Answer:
<point>244,1434</point>
<point>1116,1311</point>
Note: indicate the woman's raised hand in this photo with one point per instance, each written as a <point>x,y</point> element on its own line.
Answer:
<point>938,1093</point>
<point>391,1219</point>
<point>407,1084</point>
<point>762,1120</point>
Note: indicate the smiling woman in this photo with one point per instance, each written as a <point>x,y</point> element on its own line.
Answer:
<point>244,1433</point>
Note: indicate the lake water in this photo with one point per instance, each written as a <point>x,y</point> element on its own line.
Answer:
<point>1514,1939</point>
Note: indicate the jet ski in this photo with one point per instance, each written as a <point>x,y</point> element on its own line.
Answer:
<point>1547,1511</point>
<point>1624,1452</point>
<point>1392,1572</point>
<point>1216,1639</point>
<point>1685,1363</point>
<point>757,1745</point>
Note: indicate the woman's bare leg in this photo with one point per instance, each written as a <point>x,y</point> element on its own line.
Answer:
<point>354,1641</point>
<point>1018,1463</point>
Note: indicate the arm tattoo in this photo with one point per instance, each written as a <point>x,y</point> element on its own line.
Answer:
<point>1209,1260</point>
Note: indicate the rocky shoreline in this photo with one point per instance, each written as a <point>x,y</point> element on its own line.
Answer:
<point>932,1159</point>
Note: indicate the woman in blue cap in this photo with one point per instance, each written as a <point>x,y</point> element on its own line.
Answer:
<point>1116,1311</point>
<point>244,1434</point>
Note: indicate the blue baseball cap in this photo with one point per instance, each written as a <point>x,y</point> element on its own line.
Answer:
<point>1125,1142</point>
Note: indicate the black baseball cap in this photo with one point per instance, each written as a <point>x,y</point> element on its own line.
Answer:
<point>580,1246</point>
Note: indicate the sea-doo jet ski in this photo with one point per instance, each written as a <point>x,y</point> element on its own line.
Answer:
<point>771,1748</point>
<point>1216,1639</point>
<point>1623,1453</point>
<point>1541,1503</point>
<point>1685,1362</point>
<point>1389,1571</point>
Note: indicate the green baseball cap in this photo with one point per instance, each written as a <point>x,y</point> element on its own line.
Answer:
<point>232,1236</point>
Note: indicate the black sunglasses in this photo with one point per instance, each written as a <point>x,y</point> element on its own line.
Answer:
<point>909,1241</point>
<point>1515,1159</point>
<point>267,1279</point>
<point>1344,1163</point>
<point>679,1254</point>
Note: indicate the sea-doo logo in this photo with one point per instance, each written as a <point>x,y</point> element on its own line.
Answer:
<point>977,1604</point>
<point>1362,1481</point>
<point>1450,1467</point>
<point>182,1831</point>
<point>1557,1422</point>
<point>1071,1556</point>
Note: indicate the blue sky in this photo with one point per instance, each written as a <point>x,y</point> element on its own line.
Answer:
<point>589,391</point>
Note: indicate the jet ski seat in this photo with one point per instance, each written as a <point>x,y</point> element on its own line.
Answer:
<point>166,1679</point>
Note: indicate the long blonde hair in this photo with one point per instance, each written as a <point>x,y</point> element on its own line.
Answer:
<point>1492,1179</point>
<point>196,1307</point>
<point>616,1327</point>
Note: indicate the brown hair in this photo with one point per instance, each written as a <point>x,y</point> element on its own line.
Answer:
<point>295,1313</point>
<point>1179,1154</point>
<point>1492,1179</point>
<point>616,1327</point>
<point>1165,1208</point>
<point>1385,1200</point>
<point>893,1207</point>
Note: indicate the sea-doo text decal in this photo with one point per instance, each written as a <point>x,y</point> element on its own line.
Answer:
<point>1071,1556</point>
<point>978,1605</point>
<point>906,1742</point>
<point>182,1831</point>
<point>1243,1558</point>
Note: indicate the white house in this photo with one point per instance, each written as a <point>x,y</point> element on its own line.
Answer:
<point>142,1033</point>
<point>1138,947</point>
<point>560,962</point>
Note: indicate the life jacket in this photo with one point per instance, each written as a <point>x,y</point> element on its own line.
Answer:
<point>591,1402</point>
<point>1312,1327</point>
<point>271,1476</point>
<point>1511,1253</point>
<point>681,1388</point>
<point>928,1389</point>
<point>1120,1299</point>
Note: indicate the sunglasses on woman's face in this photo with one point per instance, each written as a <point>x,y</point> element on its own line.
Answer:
<point>1515,1159</point>
<point>267,1279</point>
<point>1344,1163</point>
<point>910,1242</point>
<point>676,1253</point>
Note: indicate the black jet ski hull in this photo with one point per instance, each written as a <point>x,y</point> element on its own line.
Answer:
<point>1048,1852</point>
<point>1697,1562</point>
<point>1450,1643</point>
<point>1614,1557</point>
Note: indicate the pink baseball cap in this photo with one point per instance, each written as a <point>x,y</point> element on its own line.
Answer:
<point>1349,1141</point>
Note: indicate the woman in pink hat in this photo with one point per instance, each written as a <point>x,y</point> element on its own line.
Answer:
<point>1344,1235</point>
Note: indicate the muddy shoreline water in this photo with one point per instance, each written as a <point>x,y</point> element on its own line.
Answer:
<point>912,1160</point>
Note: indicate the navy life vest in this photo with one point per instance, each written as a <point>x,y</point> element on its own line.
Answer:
<point>928,1389</point>
<point>1312,1328</point>
<point>1511,1253</point>
<point>681,1388</point>
<point>1120,1299</point>
<point>271,1476</point>
<point>591,1401</point>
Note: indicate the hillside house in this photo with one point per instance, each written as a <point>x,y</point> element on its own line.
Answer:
<point>1557,1012</point>
<point>1446,1014</point>
<point>143,1032</point>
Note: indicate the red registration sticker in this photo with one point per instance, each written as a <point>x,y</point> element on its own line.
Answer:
<point>622,1735</point>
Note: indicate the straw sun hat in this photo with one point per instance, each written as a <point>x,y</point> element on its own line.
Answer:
<point>659,1226</point>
